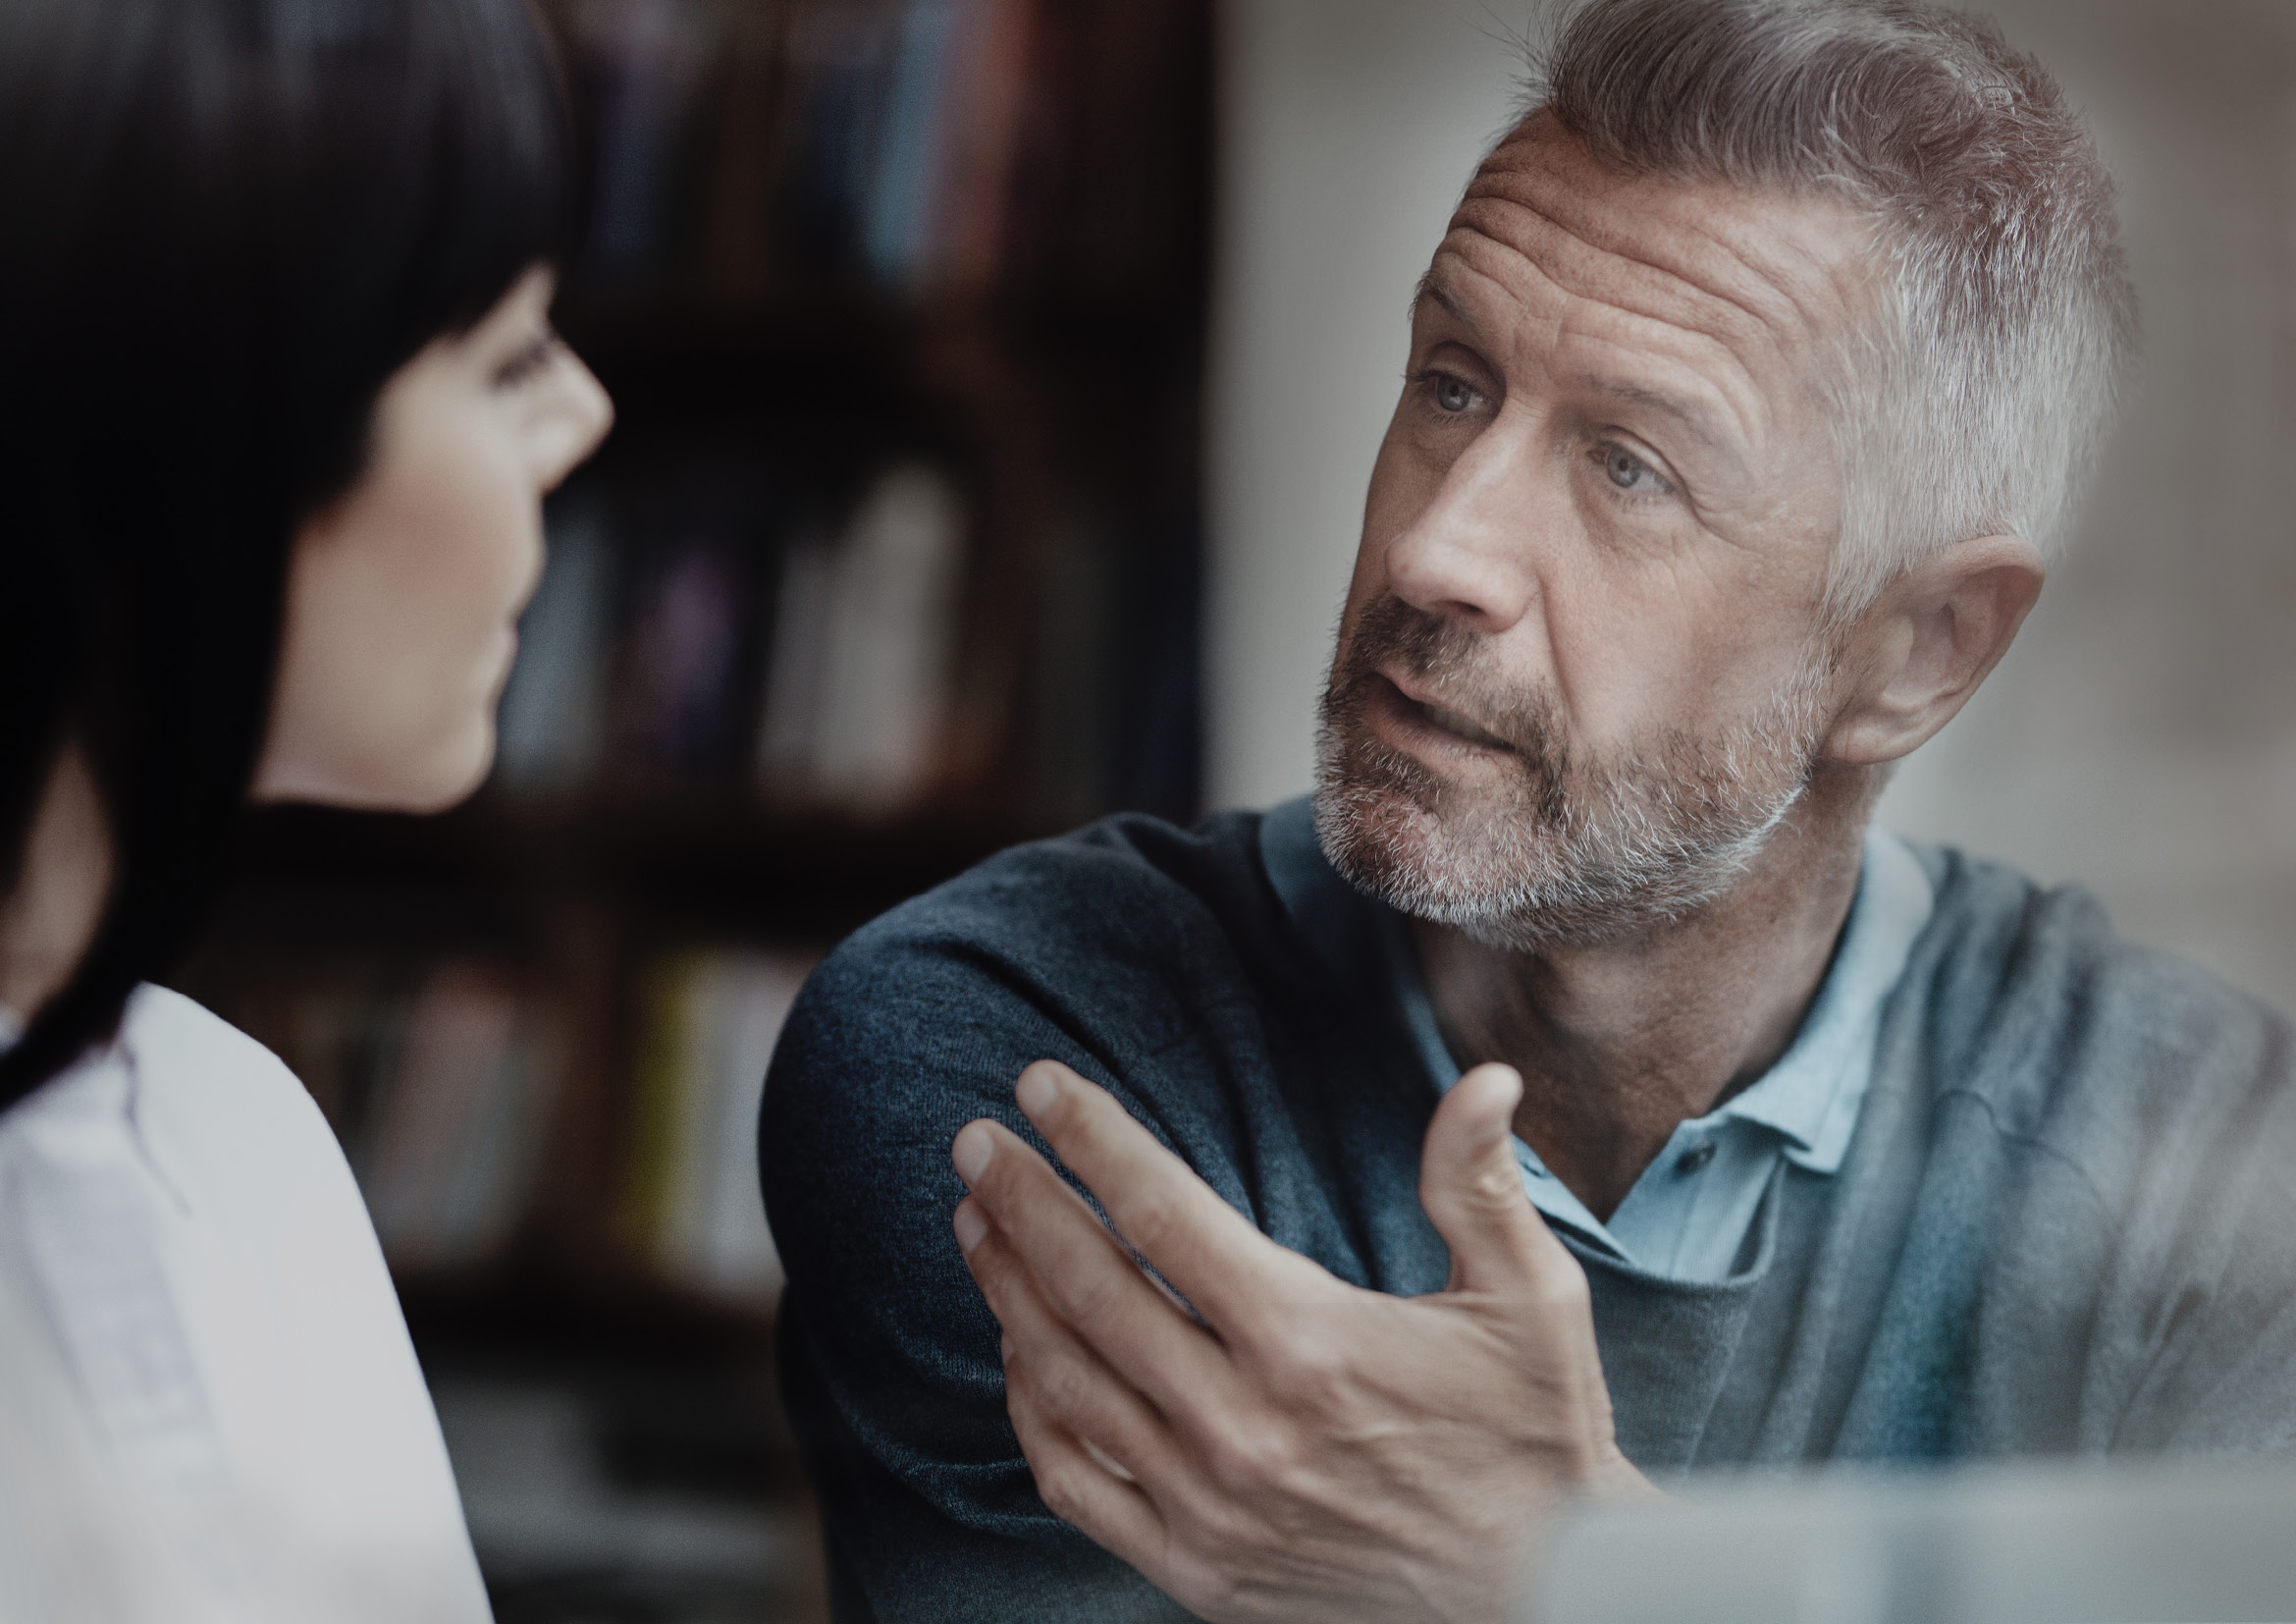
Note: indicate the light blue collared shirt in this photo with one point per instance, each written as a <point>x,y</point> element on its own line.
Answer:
<point>1689,1214</point>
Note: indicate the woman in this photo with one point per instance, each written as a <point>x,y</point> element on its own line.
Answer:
<point>280,403</point>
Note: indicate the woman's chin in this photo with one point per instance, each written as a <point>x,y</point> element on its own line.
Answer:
<point>454,783</point>
<point>437,781</point>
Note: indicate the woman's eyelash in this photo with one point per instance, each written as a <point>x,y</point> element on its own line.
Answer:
<point>528,361</point>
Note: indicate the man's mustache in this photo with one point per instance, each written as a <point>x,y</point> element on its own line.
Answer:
<point>1453,660</point>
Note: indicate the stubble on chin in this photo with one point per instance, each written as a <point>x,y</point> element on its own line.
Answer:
<point>1565,850</point>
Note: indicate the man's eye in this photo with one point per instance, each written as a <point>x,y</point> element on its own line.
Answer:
<point>1453,394</point>
<point>1629,473</point>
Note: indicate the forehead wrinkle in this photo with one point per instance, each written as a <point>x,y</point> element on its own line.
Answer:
<point>1766,310</point>
<point>1749,306</point>
<point>1787,278</point>
<point>1746,403</point>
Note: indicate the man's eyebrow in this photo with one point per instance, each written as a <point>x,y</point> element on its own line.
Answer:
<point>1432,288</point>
<point>1689,413</point>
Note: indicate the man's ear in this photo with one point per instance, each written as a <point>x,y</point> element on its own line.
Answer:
<point>1927,642</point>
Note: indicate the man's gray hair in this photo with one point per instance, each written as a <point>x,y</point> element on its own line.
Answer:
<point>1977,401</point>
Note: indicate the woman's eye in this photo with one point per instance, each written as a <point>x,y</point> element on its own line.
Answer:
<point>1629,473</point>
<point>529,360</point>
<point>1453,394</point>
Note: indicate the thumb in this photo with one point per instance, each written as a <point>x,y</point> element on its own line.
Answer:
<point>1471,1186</point>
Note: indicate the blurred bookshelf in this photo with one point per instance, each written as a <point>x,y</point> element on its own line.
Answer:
<point>892,561</point>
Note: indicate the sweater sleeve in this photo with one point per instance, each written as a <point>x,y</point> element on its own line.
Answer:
<point>889,1364</point>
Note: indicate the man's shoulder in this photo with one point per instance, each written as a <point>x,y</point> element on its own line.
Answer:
<point>2072,1034</point>
<point>2014,958</point>
<point>1120,942</point>
<point>1123,878</point>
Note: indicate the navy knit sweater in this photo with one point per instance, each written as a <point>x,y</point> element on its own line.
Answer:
<point>2066,1225</point>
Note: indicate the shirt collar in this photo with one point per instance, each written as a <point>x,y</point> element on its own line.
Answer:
<point>1810,1098</point>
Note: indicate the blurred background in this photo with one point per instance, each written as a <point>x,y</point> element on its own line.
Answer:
<point>998,383</point>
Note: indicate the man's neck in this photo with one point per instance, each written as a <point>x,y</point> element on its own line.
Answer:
<point>1620,1043</point>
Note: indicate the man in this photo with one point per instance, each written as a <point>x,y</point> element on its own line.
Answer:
<point>1747,393</point>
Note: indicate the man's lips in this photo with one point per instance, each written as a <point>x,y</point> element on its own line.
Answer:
<point>1451,721</point>
<point>1443,720</point>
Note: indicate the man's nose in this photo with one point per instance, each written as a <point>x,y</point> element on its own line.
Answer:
<point>1469,555</point>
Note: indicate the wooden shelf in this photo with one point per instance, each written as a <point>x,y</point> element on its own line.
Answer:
<point>710,856</point>
<point>603,1308</point>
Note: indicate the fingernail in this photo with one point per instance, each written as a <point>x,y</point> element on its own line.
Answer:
<point>971,1227</point>
<point>1037,1089</point>
<point>1005,1347</point>
<point>972,1151</point>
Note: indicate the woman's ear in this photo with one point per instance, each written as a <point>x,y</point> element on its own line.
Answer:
<point>1931,637</point>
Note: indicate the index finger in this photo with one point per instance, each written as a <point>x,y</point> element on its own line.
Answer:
<point>1061,1251</point>
<point>1211,1255</point>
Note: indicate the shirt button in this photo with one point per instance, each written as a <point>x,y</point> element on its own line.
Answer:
<point>1695,1157</point>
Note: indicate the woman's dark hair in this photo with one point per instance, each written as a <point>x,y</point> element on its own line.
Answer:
<point>224,224</point>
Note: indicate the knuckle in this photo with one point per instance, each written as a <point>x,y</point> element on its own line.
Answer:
<point>1309,1370</point>
<point>1217,1545</point>
<point>1094,1298</point>
<point>1057,1485</point>
<point>1492,1185</point>
<point>1253,1458</point>
<point>1149,1222</point>
<point>1061,1387</point>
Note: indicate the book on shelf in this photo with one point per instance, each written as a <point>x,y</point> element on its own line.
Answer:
<point>690,1206</point>
<point>906,175</point>
<point>692,635</point>
<point>645,64</point>
<point>450,1159</point>
<point>751,134</point>
<point>986,66</point>
<point>735,145</point>
<point>552,723</point>
<point>943,170</point>
<point>450,1086</point>
<point>858,686</point>
<point>697,556</point>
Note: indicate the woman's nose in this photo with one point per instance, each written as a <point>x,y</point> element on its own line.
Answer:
<point>582,412</point>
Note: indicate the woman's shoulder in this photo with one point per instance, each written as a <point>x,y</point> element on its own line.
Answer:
<point>216,1108</point>
<point>167,1032</point>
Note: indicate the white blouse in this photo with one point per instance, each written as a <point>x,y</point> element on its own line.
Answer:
<point>209,1408</point>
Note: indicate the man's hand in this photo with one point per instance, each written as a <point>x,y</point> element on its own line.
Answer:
<point>1297,1448</point>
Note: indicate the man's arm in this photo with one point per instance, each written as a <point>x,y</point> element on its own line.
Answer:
<point>1282,1445</point>
<point>889,1357</point>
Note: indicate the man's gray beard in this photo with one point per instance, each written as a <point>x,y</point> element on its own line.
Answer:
<point>1576,851</point>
